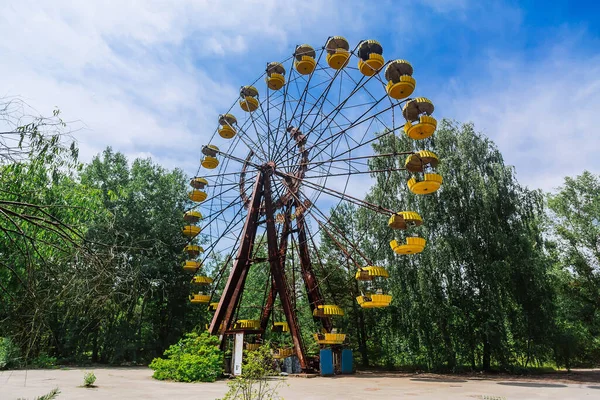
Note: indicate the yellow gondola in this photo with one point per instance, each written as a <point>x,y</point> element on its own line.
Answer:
<point>417,162</point>
<point>374,300</point>
<point>198,183</point>
<point>429,184</point>
<point>251,346</point>
<point>193,250</point>
<point>249,98</point>
<point>191,230</point>
<point>199,298</point>
<point>413,245</point>
<point>192,216</point>
<point>227,129</point>
<point>328,310</point>
<point>280,327</point>
<point>213,306</point>
<point>305,59</point>
<point>400,83</point>
<point>283,353</point>
<point>404,219</point>
<point>197,196</point>
<point>338,52</point>
<point>330,338</point>
<point>191,265</point>
<point>209,161</point>
<point>370,53</point>
<point>202,280</point>
<point>419,122</point>
<point>248,324</point>
<point>371,272</point>
<point>275,76</point>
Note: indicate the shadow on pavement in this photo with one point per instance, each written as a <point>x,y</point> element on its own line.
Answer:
<point>533,384</point>
<point>442,380</point>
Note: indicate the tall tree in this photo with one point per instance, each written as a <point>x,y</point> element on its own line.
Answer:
<point>574,214</point>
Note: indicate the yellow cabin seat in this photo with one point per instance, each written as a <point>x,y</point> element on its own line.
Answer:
<point>371,66</point>
<point>417,162</point>
<point>283,353</point>
<point>209,162</point>
<point>191,230</point>
<point>213,306</point>
<point>252,324</point>
<point>374,300</point>
<point>328,310</point>
<point>275,76</point>
<point>197,196</point>
<point>338,52</point>
<point>429,184</point>
<point>422,129</point>
<point>192,216</point>
<point>280,327</point>
<point>403,219</point>
<point>371,272</point>
<point>202,280</point>
<point>249,104</point>
<point>413,245</point>
<point>251,346</point>
<point>370,54</point>
<point>198,183</point>
<point>191,266</point>
<point>227,129</point>
<point>199,298</point>
<point>193,250</point>
<point>248,98</point>
<point>330,338</point>
<point>305,62</point>
<point>227,132</point>
<point>400,83</point>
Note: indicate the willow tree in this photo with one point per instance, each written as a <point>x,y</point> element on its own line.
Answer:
<point>479,295</point>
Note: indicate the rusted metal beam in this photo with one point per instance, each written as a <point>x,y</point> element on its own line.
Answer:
<point>278,274</point>
<point>237,278</point>
<point>313,292</point>
<point>264,319</point>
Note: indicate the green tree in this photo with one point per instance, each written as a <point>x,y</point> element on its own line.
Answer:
<point>574,215</point>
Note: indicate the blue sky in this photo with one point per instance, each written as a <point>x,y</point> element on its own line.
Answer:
<point>149,78</point>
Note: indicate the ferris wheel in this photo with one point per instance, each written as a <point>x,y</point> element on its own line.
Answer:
<point>296,144</point>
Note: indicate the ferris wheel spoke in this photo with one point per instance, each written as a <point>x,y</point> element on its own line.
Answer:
<point>360,120</point>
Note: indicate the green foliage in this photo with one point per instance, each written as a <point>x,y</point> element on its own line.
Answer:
<point>256,381</point>
<point>9,353</point>
<point>89,378</point>
<point>574,215</point>
<point>43,361</point>
<point>195,358</point>
<point>53,394</point>
<point>480,294</point>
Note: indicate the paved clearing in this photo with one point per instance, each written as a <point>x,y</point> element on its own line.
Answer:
<point>136,383</point>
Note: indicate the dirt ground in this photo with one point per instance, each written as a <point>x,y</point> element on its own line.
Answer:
<point>136,383</point>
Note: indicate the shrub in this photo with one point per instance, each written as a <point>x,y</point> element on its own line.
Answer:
<point>43,361</point>
<point>89,379</point>
<point>255,382</point>
<point>195,358</point>
<point>9,353</point>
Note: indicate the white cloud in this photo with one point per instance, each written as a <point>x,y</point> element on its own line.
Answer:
<point>148,77</point>
<point>541,114</point>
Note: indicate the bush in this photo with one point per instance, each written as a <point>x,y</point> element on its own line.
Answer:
<point>9,354</point>
<point>89,379</point>
<point>195,358</point>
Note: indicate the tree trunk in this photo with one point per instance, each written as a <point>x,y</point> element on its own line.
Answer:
<point>486,354</point>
